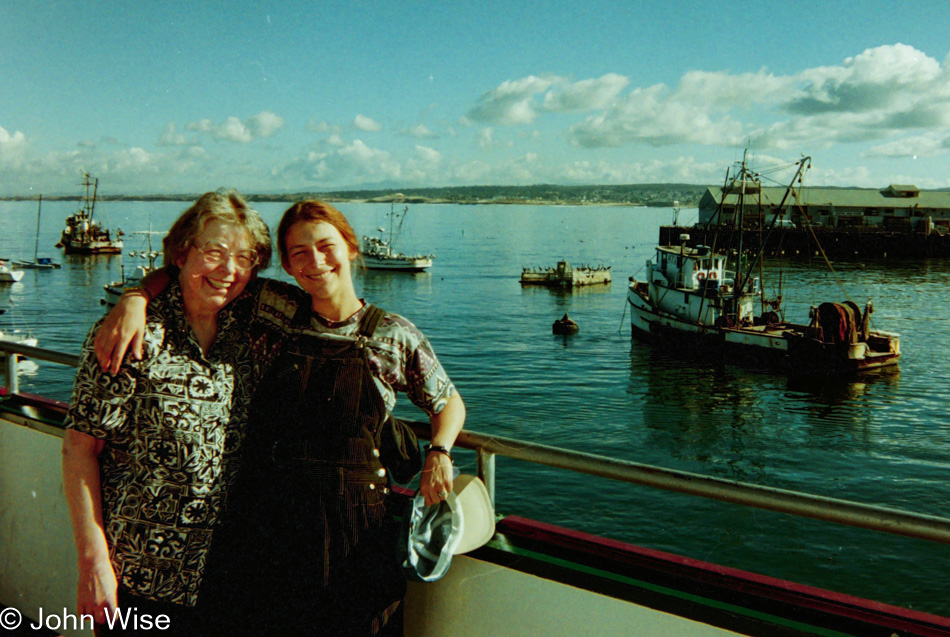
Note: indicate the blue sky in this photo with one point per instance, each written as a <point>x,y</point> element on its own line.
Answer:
<point>183,97</point>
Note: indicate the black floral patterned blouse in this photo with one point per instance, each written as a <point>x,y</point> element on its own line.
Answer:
<point>173,424</point>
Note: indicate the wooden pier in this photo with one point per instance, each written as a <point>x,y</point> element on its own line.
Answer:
<point>837,243</point>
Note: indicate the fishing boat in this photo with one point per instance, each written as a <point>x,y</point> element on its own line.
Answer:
<point>115,289</point>
<point>564,275</point>
<point>83,234</point>
<point>379,253</point>
<point>9,273</point>
<point>699,299</point>
<point>38,263</point>
<point>532,578</point>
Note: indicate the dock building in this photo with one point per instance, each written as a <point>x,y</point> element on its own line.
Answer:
<point>897,208</point>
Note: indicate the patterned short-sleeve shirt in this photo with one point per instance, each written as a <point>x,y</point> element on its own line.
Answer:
<point>173,423</point>
<point>400,357</point>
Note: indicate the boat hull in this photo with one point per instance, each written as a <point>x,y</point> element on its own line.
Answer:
<point>397,264</point>
<point>784,346</point>
<point>98,247</point>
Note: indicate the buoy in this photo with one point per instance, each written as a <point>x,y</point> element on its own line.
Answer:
<point>564,325</point>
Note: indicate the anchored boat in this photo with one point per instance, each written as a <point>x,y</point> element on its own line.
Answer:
<point>379,253</point>
<point>83,234</point>
<point>692,298</point>
<point>8,273</point>
<point>38,262</point>
<point>115,289</point>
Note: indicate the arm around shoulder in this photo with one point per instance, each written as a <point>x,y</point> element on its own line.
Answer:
<point>125,323</point>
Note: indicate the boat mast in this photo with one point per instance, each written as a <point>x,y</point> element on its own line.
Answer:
<point>739,216</point>
<point>803,164</point>
<point>36,245</point>
<point>95,191</point>
<point>402,218</point>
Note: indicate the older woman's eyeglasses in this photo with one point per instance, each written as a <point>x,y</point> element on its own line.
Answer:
<point>215,254</point>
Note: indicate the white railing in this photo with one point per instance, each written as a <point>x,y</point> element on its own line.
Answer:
<point>487,447</point>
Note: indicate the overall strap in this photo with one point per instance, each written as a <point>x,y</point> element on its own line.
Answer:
<point>302,316</point>
<point>370,320</point>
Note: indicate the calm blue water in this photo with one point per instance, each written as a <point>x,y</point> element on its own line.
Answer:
<point>882,439</point>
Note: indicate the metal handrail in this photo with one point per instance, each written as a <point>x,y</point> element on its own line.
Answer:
<point>866,516</point>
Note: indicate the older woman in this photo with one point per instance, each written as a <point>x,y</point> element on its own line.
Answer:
<point>314,523</point>
<point>149,452</point>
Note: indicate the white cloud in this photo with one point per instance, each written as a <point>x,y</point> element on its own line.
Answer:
<point>265,124</point>
<point>365,123</point>
<point>428,154</point>
<point>171,137</point>
<point>875,79</point>
<point>648,116</point>
<point>12,147</point>
<point>419,131</point>
<point>484,138</point>
<point>233,129</point>
<point>915,146</point>
<point>586,94</point>
<point>343,165</point>
<point>722,91</point>
<point>869,97</point>
<point>512,102</point>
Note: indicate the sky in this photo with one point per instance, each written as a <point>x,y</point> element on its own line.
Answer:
<point>169,97</point>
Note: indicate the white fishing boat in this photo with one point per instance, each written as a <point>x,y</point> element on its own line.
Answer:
<point>83,234</point>
<point>24,365</point>
<point>9,273</point>
<point>38,262</point>
<point>379,253</point>
<point>532,578</point>
<point>692,300</point>
<point>149,256</point>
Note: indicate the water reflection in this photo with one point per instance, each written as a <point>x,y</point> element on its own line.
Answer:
<point>753,425</point>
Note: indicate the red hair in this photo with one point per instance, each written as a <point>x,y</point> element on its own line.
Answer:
<point>318,212</point>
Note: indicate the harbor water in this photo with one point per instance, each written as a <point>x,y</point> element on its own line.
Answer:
<point>882,438</point>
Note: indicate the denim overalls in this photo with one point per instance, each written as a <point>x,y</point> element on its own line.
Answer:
<point>311,526</point>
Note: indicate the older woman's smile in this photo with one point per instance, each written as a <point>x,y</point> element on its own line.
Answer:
<point>210,277</point>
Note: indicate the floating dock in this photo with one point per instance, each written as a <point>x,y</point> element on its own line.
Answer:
<point>566,276</point>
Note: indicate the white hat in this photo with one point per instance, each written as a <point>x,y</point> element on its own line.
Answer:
<point>431,535</point>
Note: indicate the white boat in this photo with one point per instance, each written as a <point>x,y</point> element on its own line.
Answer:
<point>8,273</point>
<point>691,301</point>
<point>83,234</point>
<point>24,365</point>
<point>38,262</point>
<point>531,579</point>
<point>115,289</point>
<point>379,253</point>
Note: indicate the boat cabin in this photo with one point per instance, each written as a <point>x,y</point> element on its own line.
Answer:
<point>685,268</point>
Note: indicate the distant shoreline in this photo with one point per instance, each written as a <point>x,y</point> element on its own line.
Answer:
<point>384,200</point>
<point>631,195</point>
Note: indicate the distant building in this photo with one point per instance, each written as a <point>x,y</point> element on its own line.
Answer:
<point>897,207</point>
